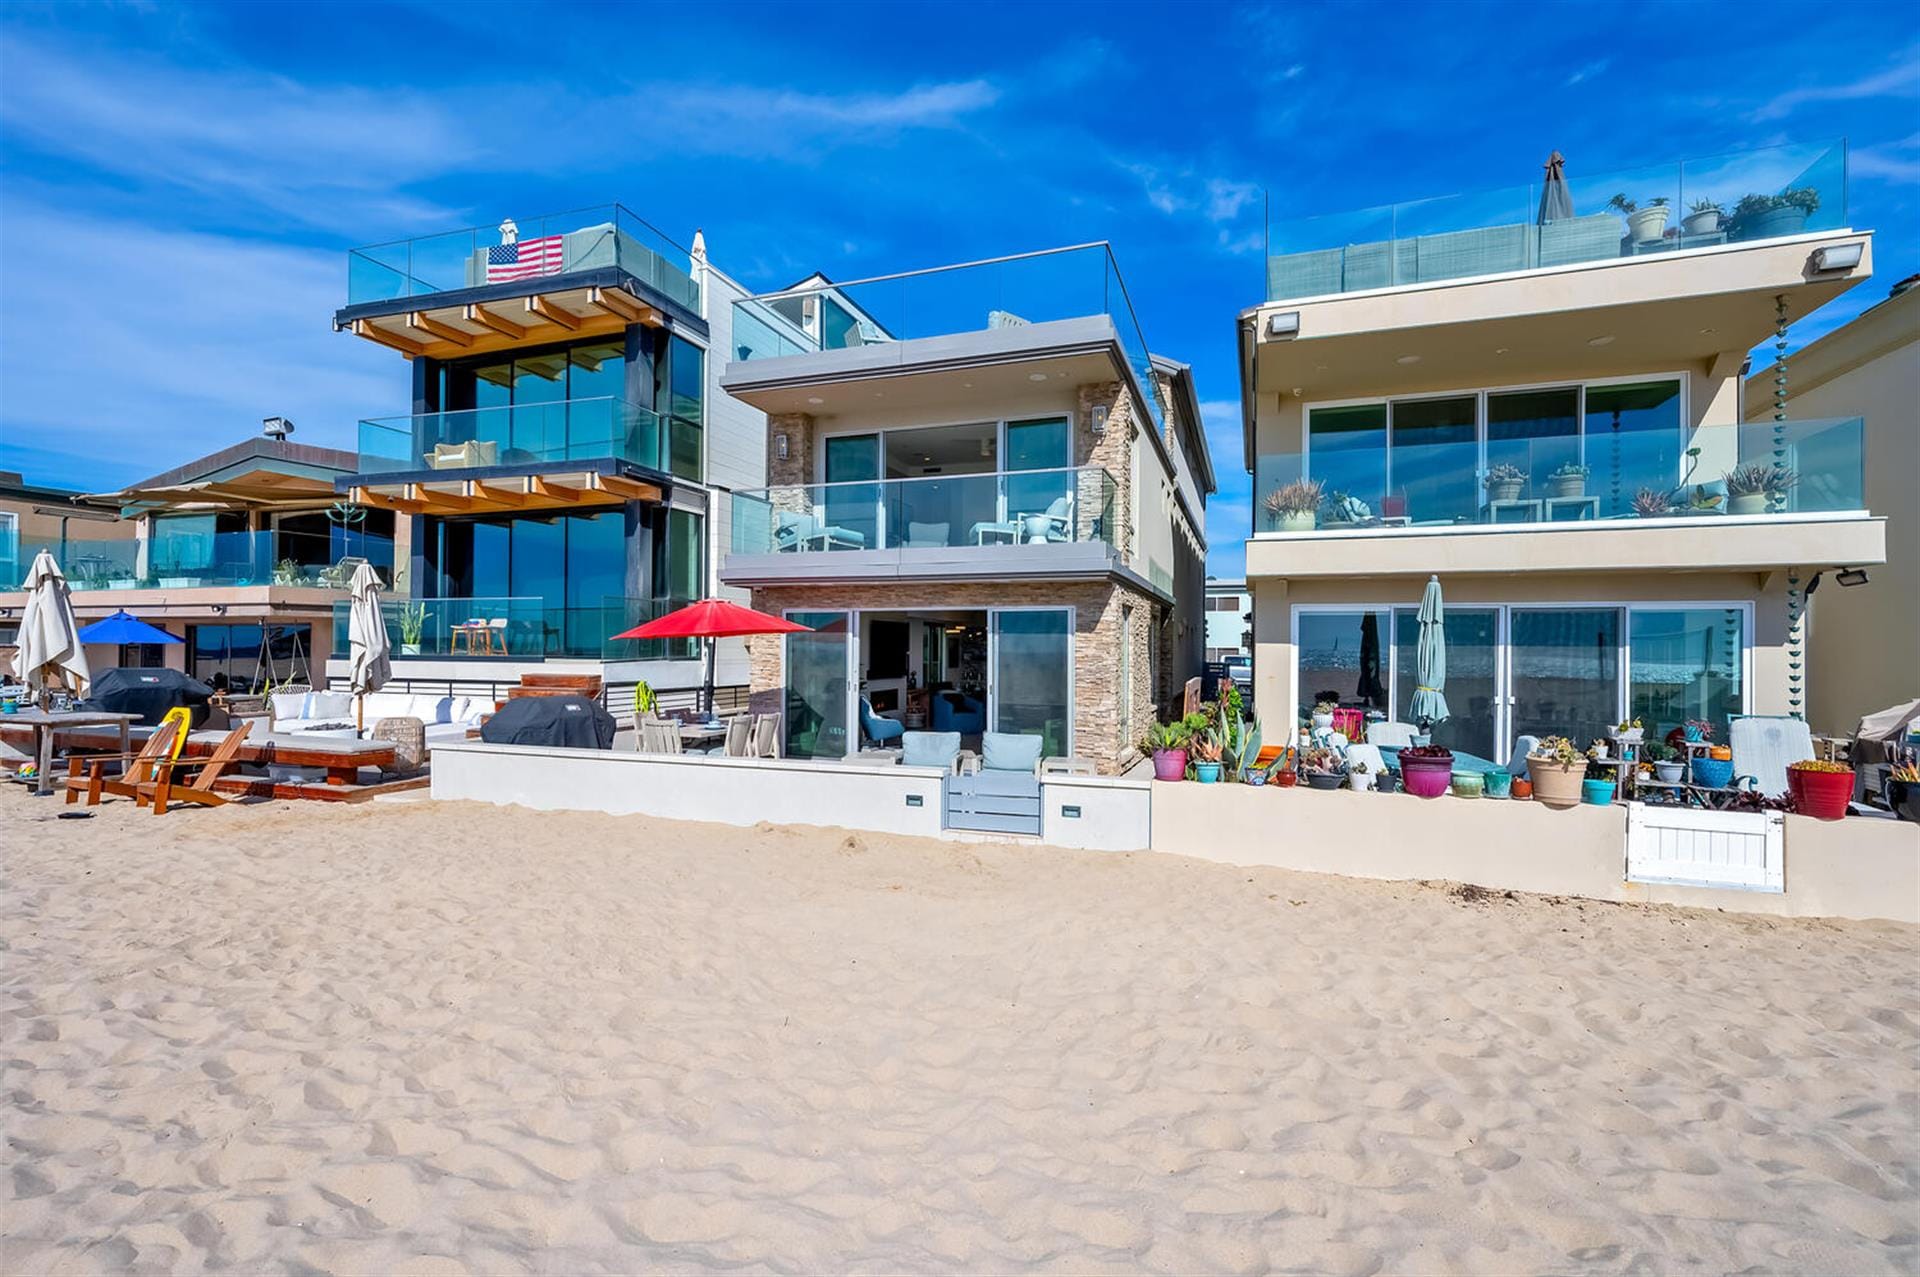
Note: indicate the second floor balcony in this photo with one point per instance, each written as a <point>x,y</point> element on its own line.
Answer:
<point>212,560</point>
<point>517,436</point>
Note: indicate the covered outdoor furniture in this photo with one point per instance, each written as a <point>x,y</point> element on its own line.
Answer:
<point>149,693</point>
<point>930,749</point>
<point>1764,747</point>
<point>568,722</point>
<point>959,712</point>
<point>879,730</point>
<point>139,767</point>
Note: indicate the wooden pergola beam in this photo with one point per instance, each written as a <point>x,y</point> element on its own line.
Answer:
<point>366,328</point>
<point>630,489</point>
<point>382,501</point>
<point>492,494</point>
<point>541,486</point>
<point>538,305</point>
<point>487,319</point>
<point>432,327</point>
<point>618,301</point>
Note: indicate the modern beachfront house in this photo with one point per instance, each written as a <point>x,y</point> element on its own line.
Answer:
<point>560,470</point>
<point>1535,393</point>
<point>243,554</point>
<point>985,499</point>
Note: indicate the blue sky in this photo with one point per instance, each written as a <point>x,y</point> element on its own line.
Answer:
<point>181,182</point>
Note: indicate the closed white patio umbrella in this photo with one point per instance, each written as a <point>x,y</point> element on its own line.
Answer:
<point>49,643</point>
<point>368,665</point>
<point>1429,704</point>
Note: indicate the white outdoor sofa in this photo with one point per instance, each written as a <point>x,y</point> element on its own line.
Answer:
<point>447,718</point>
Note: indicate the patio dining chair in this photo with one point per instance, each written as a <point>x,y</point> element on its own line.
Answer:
<point>739,738</point>
<point>766,736</point>
<point>659,736</point>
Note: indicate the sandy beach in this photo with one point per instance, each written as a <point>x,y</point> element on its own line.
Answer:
<point>429,1038</point>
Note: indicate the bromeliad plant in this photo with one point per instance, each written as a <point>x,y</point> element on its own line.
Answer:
<point>1652,503</point>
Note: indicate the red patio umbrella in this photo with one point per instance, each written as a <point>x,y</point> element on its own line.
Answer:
<point>712,619</point>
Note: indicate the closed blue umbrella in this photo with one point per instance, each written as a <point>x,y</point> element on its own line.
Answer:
<point>125,627</point>
<point>1429,703</point>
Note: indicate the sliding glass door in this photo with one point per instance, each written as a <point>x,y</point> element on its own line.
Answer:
<point>1473,686</point>
<point>1685,663</point>
<point>849,501</point>
<point>1566,672</point>
<point>1031,687</point>
<point>818,679</point>
<point>1040,505</point>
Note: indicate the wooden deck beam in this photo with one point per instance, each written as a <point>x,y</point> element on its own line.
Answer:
<point>538,305</point>
<point>487,319</point>
<point>432,327</point>
<point>366,328</point>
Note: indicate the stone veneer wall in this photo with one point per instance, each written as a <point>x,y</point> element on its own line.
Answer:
<point>1113,451</point>
<point>1096,645</point>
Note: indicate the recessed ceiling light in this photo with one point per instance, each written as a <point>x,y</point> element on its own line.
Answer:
<point>1706,330</point>
<point>1319,367</point>
<point>1500,350</point>
<point>1036,376</point>
<point>1601,341</point>
<point>1407,359</point>
<point>815,399</point>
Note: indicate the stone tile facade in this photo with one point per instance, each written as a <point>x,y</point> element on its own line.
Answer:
<point>1106,728</point>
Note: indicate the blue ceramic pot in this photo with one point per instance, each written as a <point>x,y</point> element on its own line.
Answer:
<point>1254,775</point>
<point>1206,773</point>
<point>1597,792</point>
<point>1499,783</point>
<point>1714,773</point>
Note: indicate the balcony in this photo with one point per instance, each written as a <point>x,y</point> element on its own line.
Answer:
<point>1757,495</point>
<point>604,237</point>
<point>522,435</point>
<point>1740,198</point>
<point>222,560</point>
<point>981,317</point>
<point>519,628</point>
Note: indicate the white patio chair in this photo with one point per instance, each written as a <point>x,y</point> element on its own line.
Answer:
<point>739,738</point>
<point>1764,747</point>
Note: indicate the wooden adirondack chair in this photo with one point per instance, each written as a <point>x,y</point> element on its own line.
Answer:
<point>139,768</point>
<point>166,788</point>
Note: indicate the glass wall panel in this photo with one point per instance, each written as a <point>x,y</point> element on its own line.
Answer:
<point>1032,500</point>
<point>686,406</point>
<point>816,709</point>
<point>1347,453</point>
<point>1634,441</point>
<point>228,657</point>
<point>1566,672</point>
<point>850,504</point>
<point>1471,689</point>
<point>1536,432</point>
<point>1342,658</point>
<point>1436,460</point>
<point>1032,669</point>
<point>1685,663</point>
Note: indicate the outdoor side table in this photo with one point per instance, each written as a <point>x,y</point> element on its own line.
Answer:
<point>45,724</point>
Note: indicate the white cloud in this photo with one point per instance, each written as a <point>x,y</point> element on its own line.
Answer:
<point>189,339</point>
<point>1225,199</point>
<point>1589,71</point>
<point>1899,81</point>
<point>743,120</point>
<point>1897,162</point>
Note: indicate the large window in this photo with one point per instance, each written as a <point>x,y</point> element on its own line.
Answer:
<point>686,407</point>
<point>1349,450</point>
<point>1633,442</point>
<point>1032,675</point>
<point>1472,676</point>
<point>1566,672</point>
<point>242,658</point>
<point>1536,432</point>
<point>561,570</point>
<point>1686,663</point>
<point>1435,460</point>
<point>1342,658</point>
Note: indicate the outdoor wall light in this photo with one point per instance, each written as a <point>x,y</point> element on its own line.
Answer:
<point>780,447</point>
<point>1837,257</point>
<point>1099,424</point>
<point>1851,576</point>
<point>1286,324</point>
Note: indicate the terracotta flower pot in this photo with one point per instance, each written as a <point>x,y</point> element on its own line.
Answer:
<point>1822,795</point>
<point>1522,788</point>
<point>1556,784</point>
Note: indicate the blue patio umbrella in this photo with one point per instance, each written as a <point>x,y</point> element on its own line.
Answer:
<point>1429,704</point>
<point>124,627</point>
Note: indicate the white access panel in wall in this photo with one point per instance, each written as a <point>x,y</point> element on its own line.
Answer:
<point>1745,850</point>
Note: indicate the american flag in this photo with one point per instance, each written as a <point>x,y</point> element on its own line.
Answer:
<point>525,259</point>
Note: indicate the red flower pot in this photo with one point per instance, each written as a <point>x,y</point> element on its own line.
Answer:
<point>1169,764</point>
<point>1822,795</point>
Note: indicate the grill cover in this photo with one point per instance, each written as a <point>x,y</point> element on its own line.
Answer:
<point>150,693</point>
<point>570,721</point>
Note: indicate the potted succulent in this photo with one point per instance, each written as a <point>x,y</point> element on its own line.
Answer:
<point>1557,767</point>
<point>1703,217</point>
<point>413,623</point>
<point>1426,770</point>
<point>1505,481</point>
<point>1323,715</point>
<point>1569,480</point>
<point>1821,790</point>
<point>1667,767</point>
<point>1321,766</point>
<point>1204,748</point>
<point>1360,777</point>
<point>1901,790</point>
<point>1766,216</point>
<point>1643,224</point>
<point>1653,503</point>
<point>1696,730</point>
<point>1285,770</point>
<point>1755,487</point>
<point>1294,507</point>
<point>1629,731</point>
<point>1469,784</point>
<point>1522,789</point>
<point>1167,744</point>
<point>1597,791</point>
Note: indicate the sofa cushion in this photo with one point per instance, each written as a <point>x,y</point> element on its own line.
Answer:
<point>929,749</point>
<point>1010,751</point>
<point>461,708</point>
<point>388,705</point>
<point>329,705</point>
<point>288,704</point>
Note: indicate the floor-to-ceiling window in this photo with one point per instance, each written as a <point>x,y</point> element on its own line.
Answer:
<point>243,658</point>
<point>686,411</point>
<point>549,577</point>
<point>1040,504</point>
<point>1535,432</point>
<point>850,501</point>
<point>1472,684</point>
<point>1686,663</point>
<point>1436,452</point>
<point>556,403</point>
<point>1349,450</point>
<point>1033,675</point>
<point>1633,442</point>
<point>1566,671</point>
<point>1342,658</point>
<point>816,691</point>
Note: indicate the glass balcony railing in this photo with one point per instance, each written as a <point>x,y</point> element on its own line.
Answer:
<point>1020,507</point>
<point>1749,195</point>
<point>523,434</point>
<point>521,628</point>
<point>1007,292</point>
<point>198,560</point>
<point>588,239</point>
<point>1758,468</point>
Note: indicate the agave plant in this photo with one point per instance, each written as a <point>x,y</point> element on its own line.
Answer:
<point>1651,503</point>
<point>1757,478</point>
<point>1302,496</point>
